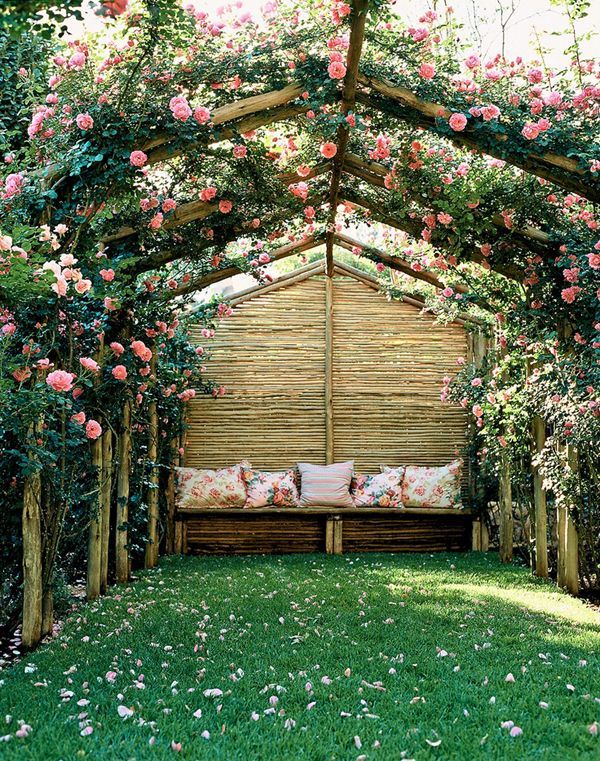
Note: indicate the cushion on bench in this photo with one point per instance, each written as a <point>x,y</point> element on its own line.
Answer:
<point>266,488</point>
<point>380,490</point>
<point>326,485</point>
<point>211,488</point>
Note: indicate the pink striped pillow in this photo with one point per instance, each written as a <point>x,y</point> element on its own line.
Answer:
<point>326,485</point>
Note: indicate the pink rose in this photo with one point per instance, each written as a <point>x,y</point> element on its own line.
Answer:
<point>60,380</point>
<point>457,122</point>
<point>328,150</point>
<point>225,206</point>
<point>119,372</point>
<point>84,121</point>
<point>427,71</point>
<point>201,115</point>
<point>140,350</point>
<point>530,131</point>
<point>169,204</point>
<point>79,418</point>
<point>240,151</point>
<point>89,364</point>
<point>83,286</point>
<point>93,429</point>
<point>180,108</point>
<point>336,70</point>
<point>138,158</point>
<point>107,275</point>
<point>117,348</point>
<point>156,221</point>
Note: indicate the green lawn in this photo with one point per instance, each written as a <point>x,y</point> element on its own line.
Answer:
<point>315,657</point>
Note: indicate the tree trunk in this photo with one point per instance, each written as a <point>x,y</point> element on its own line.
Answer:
<point>121,536</point>
<point>32,556</point>
<point>94,559</point>
<point>173,461</point>
<point>47,612</point>
<point>105,506</point>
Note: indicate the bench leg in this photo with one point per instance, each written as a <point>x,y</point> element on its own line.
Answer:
<point>476,540</point>
<point>333,535</point>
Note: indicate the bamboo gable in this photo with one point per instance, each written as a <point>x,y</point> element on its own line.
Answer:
<point>317,373</point>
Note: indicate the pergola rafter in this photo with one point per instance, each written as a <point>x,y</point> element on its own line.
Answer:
<point>402,104</point>
<point>357,34</point>
<point>527,236</point>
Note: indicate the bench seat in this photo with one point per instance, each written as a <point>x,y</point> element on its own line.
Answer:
<point>275,530</point>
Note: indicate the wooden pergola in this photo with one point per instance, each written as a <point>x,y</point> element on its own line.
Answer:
<point>359,88</point>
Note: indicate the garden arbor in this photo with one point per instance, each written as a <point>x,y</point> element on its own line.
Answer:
<point>476,254</point>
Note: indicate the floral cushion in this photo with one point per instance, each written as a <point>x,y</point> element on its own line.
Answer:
<point>211,488</point>
<point>381,490</point>
<point>432,487</point>
<point>264,488</point>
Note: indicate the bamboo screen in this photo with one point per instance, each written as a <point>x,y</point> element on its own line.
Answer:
<point>387,365</point>
<point>269,356</point>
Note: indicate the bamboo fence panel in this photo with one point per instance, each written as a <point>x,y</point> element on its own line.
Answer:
<point>387,362</point>
<point>388,365</point>
<point>270,357</point>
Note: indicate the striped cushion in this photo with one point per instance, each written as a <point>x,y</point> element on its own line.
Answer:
<point>326,485</point>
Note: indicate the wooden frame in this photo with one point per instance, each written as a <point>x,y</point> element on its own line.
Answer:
<point>273,530</point>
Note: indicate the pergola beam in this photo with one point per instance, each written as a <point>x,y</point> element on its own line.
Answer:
<point>357,35</point>
<point>374,174</point>
<point>393,262</point>
<point>203,281</point>
<point>195,210</point>
<point>560,170</point>
<point>412,229</point>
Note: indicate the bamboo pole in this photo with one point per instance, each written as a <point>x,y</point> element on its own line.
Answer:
<point>121,535</point>
<point>568,539</point>
<point>107,456</point>
<point>539,502</point>
<point>32,554</point>
<point>151,551</point>
<point>329,435</point>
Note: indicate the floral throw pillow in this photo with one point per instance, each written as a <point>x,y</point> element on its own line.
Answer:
<point>278,489</point>
<point>381,490</point>
<point>432,487</point>
<point>211,488</point>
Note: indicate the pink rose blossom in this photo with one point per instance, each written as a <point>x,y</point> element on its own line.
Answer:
<point>180,108</point>
<point>336,70</point>
<point>201,115</point>
<point>93,429</point>
<point>458,122</point>
<point>138,158</point>
<point>60,380</point>
<point>427,71</point>
<point>530,130</point>
<point>117,348</point>
<point>79,418</point>
<point>225,206</point>
<point>119,372</point>
<point>84,121</point>
<point>328,150</point>
<point>107,275</point>
<point>89,364</point>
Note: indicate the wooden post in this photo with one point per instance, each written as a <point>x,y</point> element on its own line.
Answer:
<point>94,558</point>
<point>105,506</point>
<point>568,539</point>
<point>121,535</point>
<point>329,440</point>
<point>32,554</point>
<point>506,511</point>
<point>337,535</point>
<point>151,551</point>
<point>476,536</point>
<point>539,502</point>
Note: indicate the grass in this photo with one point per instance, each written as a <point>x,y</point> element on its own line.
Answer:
<point>317,657</point>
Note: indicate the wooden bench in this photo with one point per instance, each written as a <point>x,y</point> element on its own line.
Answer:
<point>272,530</point>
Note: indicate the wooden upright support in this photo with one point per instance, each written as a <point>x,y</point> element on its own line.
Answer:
<point>94,556</point>
<point>121,534</point>
<point>539,502</point>
<point>568,538</point>
<point>151,552</point>
<point>107,464</point>
<point>333,535</point>
<point>32,554</point>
